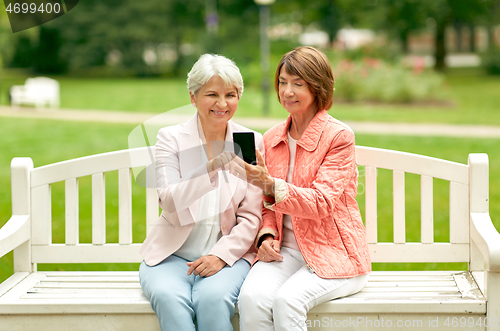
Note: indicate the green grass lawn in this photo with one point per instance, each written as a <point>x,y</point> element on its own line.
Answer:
<point>475,95</point>
<point>48,141</point>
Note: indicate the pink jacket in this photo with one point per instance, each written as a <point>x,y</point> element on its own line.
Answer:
<point>182,179</point>
<point>321,198</point>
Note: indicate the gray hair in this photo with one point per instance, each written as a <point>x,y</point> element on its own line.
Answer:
<point>209,65</point>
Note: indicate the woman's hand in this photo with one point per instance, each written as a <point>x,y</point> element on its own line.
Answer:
<point>220,161</point>
<point>206,266</point>
<point>269,250</point>
<point>256,175</point>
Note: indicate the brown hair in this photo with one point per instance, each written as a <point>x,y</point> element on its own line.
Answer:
<point>312,66</point>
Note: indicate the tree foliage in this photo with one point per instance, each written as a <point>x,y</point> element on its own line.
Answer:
<point>6,38</point>
<point>126,26</point>
<point>402,17</point>
<point>95,29</point>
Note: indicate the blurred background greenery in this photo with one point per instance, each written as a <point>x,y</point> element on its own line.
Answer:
<point>420,61</point>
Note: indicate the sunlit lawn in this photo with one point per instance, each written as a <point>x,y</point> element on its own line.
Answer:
<point>52,141</point>
<point>476,98</point>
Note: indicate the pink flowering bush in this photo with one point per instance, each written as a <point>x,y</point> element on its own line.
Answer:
<point>373,80</point>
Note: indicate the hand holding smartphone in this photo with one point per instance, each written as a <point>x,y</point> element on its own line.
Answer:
<point>244,145</point>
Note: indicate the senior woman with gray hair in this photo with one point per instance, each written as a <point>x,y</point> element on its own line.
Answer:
<point>199,252</point>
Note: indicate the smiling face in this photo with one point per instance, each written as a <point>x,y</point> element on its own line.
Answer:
<point>295,95</point>
<point>216,103</point>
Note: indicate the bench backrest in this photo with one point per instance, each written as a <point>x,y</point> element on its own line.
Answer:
<point>456,249</point>
<point>40,181</point>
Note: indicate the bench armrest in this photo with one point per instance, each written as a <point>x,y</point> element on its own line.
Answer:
<point>14,233</point>
<point>486,237</point>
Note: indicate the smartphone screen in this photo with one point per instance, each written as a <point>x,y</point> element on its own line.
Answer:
<point>244,144</point>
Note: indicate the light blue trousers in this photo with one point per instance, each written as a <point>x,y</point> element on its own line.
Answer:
<point>177,299</point>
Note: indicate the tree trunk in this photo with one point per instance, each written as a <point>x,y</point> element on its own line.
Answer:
<point>472,38</point>
<point>405,45</point>
<point>491,38</point>
<point>493,44</point>
<point>440,51</point>
<point>180,56</point>
<point>332,22</point>
<point>458,32</point>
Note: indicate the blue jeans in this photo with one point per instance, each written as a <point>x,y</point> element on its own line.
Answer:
<point>177,298</point>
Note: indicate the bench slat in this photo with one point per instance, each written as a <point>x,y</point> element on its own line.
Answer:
<point>427,210</point>
<point>418,284</point>
<point>152,204</point>
<point>152,208</point>
<point>82,306</point>
<point>371,203</point>
<point>412,163</point>
<point>433,295</point>
<point>416,291</point>
<point>71,211</point>
<point>395,297</point>
<point>87,253</point>
<point>126,321</point>
<point>90,273</point>
<point>459,213</point>
<point>100,279</point>
<point>398,182</point>
<point>66,285</point>
<point>398,305</point>
<point>409,278</point>
<point>90,165</point>
<point>86,293</point>
<point>418,252</point>
<point>125,206</point>
<point>41,216</point>
<point>21,288</point>
<point>12,281</point>
<point>98,209</point>
<point>413,273</point>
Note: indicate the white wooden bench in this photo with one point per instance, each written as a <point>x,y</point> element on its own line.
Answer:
<point>38,91</point>
<point>409,300</point>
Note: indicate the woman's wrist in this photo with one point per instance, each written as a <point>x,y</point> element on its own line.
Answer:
<point>263,238</point>
<point>268,188</point>
<point>210,166</point>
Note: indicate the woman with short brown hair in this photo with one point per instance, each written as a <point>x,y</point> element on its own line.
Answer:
<point>312,245</point>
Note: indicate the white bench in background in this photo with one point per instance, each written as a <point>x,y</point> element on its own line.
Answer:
<point>409,300</point>
<point>38,91</point>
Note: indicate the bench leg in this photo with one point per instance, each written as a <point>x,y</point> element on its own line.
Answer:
<point>493,297</point>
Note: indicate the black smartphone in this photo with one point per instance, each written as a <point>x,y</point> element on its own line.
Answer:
<point>244,144</point>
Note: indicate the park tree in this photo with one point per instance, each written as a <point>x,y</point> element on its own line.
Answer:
<point>491,58</point>
<point>6,38</point>
<point>329,15</point>
<point>491,19</point>
<point>23,55</point>
<point>238,35</point>
<point>451,12</point>
<point>126,27</point>
<point>402,17</point>
<point>46,55</point>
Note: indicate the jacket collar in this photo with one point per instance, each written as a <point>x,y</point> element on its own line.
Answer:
<point>310,138</point>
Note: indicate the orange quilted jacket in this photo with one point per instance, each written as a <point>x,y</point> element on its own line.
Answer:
<point>321,198</point>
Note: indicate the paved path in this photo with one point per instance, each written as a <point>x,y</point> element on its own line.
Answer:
<point>173,117</point>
